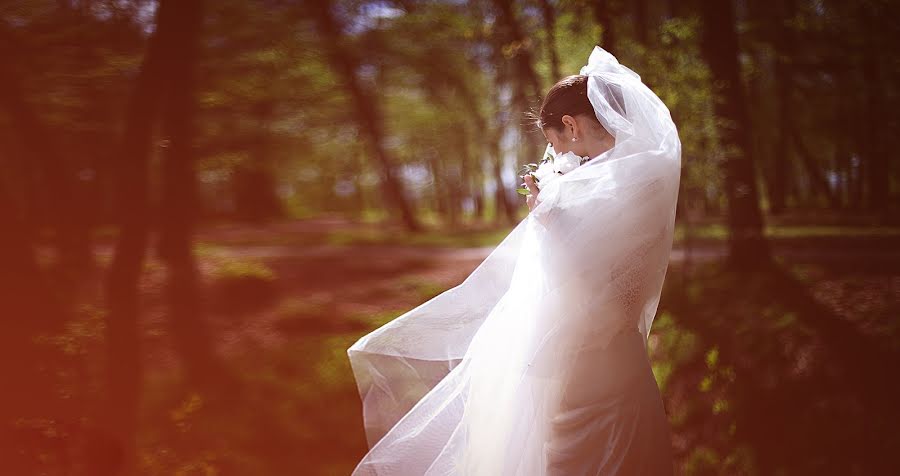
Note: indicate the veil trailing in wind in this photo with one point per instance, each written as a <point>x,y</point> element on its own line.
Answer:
<point>467,382</point>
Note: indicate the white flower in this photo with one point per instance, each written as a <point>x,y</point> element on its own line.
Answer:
<point>566,163</point>
<point>545,173</point>
<point>550,170</point>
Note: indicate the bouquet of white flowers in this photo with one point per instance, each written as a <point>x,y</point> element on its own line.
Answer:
<point>551,166</point>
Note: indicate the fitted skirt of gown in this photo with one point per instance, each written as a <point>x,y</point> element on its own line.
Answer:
<point>610,418</point>
<point>576,406</point>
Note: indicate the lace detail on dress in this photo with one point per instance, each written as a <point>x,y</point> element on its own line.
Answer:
<point>631,277</point>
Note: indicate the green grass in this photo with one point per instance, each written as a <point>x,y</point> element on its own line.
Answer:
<point>380,318</point>
<point>492,237</point>
<point>671,346</point>
<point>719,231</point>
<point>243,270</point>
<point>434,238</point>
<point>294,405</point>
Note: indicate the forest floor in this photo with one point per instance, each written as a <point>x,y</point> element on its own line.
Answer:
<point>791,370</point>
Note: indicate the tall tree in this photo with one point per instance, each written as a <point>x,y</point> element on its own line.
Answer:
<point>179,199</point>
<point>516,49</point>
<point>254,183</point>
<point>39,144</point>
<point>783,25</point>
<point>548,11</point>
<point>876,154</point>
<point>642,23</point>
<point>133,195</point>
<point>746,245</point>
<point>603,16</point>
<point>367,112</point>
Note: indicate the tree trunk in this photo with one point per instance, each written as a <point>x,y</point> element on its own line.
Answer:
<point>603,17</point>
<point>504,209</point>
<point>641,23</point>
<point>876,155</point>
<point>843,148</point>
<point>549,15</point>
<point>526,92</point>
<point>256,200</point>
<point>529,84</point>
<point>179,201</point>
<point>366,110</point>
<point>122,337</point>
<point>478,198</point>
<point>71,231</point>
<point>439,192</point>
<point>783,38</point>
<point>746,245</point>
<point>467,193</point>
<point>449,189</point>
<point>817,179</point>
<point>30,369</point>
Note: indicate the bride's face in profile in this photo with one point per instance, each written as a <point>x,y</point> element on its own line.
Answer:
<point>578,136</point>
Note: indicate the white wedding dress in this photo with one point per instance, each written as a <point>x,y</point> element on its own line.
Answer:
<point>536,364</point>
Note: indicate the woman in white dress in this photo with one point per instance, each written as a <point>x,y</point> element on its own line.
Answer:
<point>536,364</point>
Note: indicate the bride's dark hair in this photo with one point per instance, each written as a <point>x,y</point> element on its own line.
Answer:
<point>569,96</point>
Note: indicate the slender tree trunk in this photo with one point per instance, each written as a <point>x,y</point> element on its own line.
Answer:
<point>843,115</point>
<point>467,193</point>
<point>522,61</point>
<point>448,188</point>
<point>361,195</point>
<point>255,186</point>
<point>549,14</point>
<point>603,17</point>
<point>784,51</point>
<point>123,341</point>
<point>746,244</point>
<point>876,155</point>
<point>478,198</point>
<point>641,23</point>
<point>817,179</point>
<point>675,9</point>
<point>179,200</point>
<point>526,92</point>
<point>504,209</point>
<point>438,190</point>
<point>778,188</point>
<point>72,234</point>
<point>367,113</point>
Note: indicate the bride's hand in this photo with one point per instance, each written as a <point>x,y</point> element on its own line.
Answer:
<point>531,199</point>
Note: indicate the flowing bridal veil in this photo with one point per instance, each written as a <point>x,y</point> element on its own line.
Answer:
<point>536,363</point>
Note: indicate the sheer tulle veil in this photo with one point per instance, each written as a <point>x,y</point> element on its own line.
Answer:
<point>462,384</point>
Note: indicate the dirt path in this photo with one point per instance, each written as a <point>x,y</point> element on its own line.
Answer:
<point>292,346</point>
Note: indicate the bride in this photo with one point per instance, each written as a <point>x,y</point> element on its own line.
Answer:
<point>536,364</point>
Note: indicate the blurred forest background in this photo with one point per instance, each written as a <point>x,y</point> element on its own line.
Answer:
<point>206,202</point>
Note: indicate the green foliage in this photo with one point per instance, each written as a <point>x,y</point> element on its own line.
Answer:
<point>273,104</point>
<point>243,285</point>
<point>243,270</point>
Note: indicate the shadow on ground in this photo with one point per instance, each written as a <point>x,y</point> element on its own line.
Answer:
<point>789,371</point>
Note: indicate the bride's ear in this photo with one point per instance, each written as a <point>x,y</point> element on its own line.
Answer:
<point>570,125</point>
